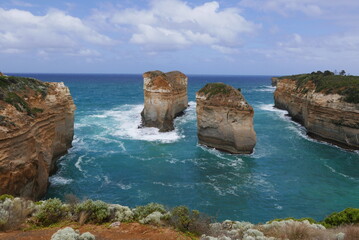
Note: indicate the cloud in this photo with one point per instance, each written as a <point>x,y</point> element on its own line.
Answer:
<point>174,24</point>
<point>285,7</point>
<point>23,31</point>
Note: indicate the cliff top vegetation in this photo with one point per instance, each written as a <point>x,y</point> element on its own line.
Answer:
<point>214,89</point>
<point>329,83</point>
<point>14,90</point>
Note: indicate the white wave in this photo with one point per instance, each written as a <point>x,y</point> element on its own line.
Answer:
<point>127,118</point>
<point>265,89</point>
<point>124,186</point>
<point>270,108</point>
<point>221,155</point>
<point>78,162</point>
<point>277,206</point>
<point>189,114</point>
<point>341,174</point>
<point>57,180</point>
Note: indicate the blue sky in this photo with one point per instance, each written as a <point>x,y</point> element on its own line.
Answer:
<point>251,37</point>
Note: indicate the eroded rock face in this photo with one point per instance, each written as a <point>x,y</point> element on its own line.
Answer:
<point>165,97</point>
<point>325,116</point>
<point>36,128</point>
<point>225,119</point>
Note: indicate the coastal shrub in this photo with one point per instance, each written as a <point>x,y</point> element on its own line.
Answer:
<point>5,196</point>
<point>153,218</point>
<point>189,221</point>
<point>120,213</point>
<point>311,220</point>
<point>14,212</point>
<point>141,212</point>
<point>347,216</point>
<point>212,89</point>
<point>50,211</point>
<point>93,211</point>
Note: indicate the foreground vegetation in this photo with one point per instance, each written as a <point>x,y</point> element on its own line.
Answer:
<point>329,83</point>
<point>14,90</point>
<point>25,214</point>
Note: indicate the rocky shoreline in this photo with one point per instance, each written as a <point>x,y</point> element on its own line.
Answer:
<point>327,116</point>
<point>36,128</point>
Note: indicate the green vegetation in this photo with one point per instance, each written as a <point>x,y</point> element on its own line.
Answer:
<point>51,211</point>
<point>311,220</point>
<point>328,83</point>
<point>13,88</point>
<point>347,216</point>
<point>5,196</point>
<point>92,211</point>
<point>141,212</point>
<point>212,89</point>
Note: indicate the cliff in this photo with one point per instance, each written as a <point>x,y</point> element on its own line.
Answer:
<point>327,106</point>
<point>274,81</point>
<point>165,97</point>
<point>225,119</point>
<point>36,128</point>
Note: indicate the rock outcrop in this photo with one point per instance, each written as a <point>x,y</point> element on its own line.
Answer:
<point>326,116</point>
<point>165,97</point>
<point>225,119</point>
<point>274,81</point>
<point>36,128</point>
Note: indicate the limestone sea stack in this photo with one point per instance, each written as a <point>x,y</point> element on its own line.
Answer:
<point>327,105</point>
<point>225,119</point>
<point>36,128</point>
<point>165,97</point>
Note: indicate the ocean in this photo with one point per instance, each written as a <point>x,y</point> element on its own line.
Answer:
<point>288,175</point>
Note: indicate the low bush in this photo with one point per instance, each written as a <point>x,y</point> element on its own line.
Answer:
<point>50,211</point>
<point>5,196</point>
<point>347,216</point>
<point>141,212</point>
<point>92,211</point>
<point>189,221</point>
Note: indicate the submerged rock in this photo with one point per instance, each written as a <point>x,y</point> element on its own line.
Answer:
<point>36,128</point>
<point>165,97</point>
<point>225,119</point>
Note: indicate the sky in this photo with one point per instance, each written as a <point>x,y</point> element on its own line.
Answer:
<point>234,37</point>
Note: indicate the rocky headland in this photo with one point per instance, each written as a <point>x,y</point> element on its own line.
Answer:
<point>327,105</point>
<point>225,119</point>
<point>36,128</point>
<point>165,97</point>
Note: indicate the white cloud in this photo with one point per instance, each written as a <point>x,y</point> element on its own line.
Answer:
<point>174,24</point>
<point>21,30</point>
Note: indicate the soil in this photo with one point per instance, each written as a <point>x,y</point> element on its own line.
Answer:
<point>126,231</point>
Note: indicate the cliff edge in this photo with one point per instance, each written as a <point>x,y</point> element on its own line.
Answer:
<point>165,97</point>
<point>326,104</point>
<point>36,128</point>
<point>225,119</point>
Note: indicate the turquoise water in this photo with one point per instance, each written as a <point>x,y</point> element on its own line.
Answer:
<point>112,160</point>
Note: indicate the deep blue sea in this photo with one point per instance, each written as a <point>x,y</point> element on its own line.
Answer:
<point>288,175</point>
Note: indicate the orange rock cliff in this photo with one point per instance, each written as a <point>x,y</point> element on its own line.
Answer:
<point>225,119</point>
<point>36,128</point>
<point>326,116</point>
<point>165,97</point>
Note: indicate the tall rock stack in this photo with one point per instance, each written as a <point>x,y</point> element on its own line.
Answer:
<point>36,128</point>
<point>225,119</point>
<point>165,97</point>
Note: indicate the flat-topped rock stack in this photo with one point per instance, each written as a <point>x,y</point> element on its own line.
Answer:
<point>165,97</point>
<point>225,119</point>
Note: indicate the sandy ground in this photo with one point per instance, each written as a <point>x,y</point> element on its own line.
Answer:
<point>126,231</point>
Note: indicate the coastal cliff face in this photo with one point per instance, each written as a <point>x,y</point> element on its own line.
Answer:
<point>225,119</point>
<point>36,128</point>
<point>165,97</point>
<point>326,116</point>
